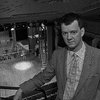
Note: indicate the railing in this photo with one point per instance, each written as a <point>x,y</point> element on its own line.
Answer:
<point>46,92</point>
<point>30,97</point>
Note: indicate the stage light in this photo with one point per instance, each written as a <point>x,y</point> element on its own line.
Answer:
<point>23,65</point>
<point>37,35</point>
<point>12,29</point>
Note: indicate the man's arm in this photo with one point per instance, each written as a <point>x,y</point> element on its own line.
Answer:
<point>38,80</point>
<point>41,78</point>
<point>98,91</point>
<point>98,95</point>
<point>18,95</point>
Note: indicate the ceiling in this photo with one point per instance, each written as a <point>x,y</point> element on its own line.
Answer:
<point>92,12</point>
<point>9,8</point>
<point>29,10</point>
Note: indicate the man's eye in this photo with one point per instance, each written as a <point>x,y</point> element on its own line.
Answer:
<point>64,33</point>
<point>74,32</point>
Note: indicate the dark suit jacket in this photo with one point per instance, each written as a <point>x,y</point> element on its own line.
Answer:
<point>89,80</point>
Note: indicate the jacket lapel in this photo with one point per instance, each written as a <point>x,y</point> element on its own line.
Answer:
<point>63,68</point>
<point>86,69</point>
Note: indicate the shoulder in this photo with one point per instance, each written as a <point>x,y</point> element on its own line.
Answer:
<point>59,51</point>
<point>94,50</point>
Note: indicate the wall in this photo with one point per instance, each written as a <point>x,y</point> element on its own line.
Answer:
<point>92,26</point>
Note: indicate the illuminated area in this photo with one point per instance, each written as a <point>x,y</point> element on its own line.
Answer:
<point>23,65</point>
<point>12,29</point>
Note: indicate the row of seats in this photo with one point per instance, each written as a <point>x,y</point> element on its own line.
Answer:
<point>12,55</point>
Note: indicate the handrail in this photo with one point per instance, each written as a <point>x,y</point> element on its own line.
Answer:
<point>8,87</point>
<point>16,88</point>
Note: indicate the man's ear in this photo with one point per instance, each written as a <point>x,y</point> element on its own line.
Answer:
<point>82,32</point>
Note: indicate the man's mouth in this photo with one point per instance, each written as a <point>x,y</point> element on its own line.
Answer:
<point>70,42</point>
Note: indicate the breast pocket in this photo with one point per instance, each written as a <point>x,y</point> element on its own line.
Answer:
<point>92,80</point>
<point>93,76</point>
<point>91,85</point>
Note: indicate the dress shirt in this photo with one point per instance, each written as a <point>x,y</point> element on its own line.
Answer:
<point>80,59</point>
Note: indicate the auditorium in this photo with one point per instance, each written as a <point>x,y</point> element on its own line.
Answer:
<point>30,32</point>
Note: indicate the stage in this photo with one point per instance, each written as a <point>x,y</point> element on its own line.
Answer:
<point>15,71</point>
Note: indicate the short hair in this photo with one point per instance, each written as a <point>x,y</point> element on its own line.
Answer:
<point>70,17</point>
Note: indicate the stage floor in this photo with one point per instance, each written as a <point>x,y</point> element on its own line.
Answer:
<point>13,73</point>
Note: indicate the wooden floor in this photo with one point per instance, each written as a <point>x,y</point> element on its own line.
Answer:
<point>10,76</point>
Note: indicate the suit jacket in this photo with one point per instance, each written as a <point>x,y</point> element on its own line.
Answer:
<point>89,80</point>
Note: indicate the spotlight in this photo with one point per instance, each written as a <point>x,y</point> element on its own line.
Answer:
<point>23,65</point>
<point>12,29</point>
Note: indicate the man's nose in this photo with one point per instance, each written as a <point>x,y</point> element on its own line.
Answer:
<point>68,36</point>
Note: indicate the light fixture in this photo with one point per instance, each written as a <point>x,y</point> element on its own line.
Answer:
<point>12,29</point>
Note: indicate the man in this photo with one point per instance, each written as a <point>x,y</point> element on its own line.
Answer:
<point>77,67</point>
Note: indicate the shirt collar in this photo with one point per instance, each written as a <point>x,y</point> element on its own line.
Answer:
<point>79,53</point>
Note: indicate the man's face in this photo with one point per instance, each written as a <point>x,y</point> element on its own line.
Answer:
<point>72,35</point>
